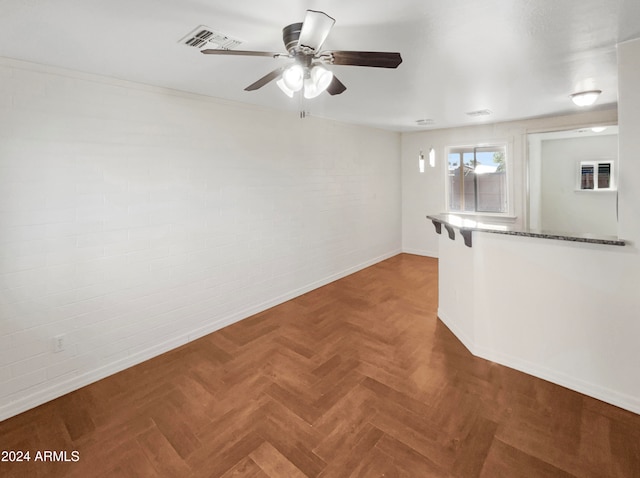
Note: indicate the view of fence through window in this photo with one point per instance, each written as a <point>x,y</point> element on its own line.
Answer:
<point>478,179</point>
<point>595,175</point>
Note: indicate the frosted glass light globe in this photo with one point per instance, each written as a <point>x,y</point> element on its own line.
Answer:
<point>293,77</point>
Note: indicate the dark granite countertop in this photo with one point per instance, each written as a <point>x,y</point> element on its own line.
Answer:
<point>467,225</point>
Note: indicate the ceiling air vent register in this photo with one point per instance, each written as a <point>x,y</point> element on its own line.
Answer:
<point>202,37</point>
<point>478,113</point>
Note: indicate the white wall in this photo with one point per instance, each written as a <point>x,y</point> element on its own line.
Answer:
<point>424,193</point>
<point>566,312</point>
<point>135,219</point>
<point>629,143</point>
<point>564,206</point>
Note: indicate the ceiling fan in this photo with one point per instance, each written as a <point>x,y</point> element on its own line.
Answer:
<point>307,73</point>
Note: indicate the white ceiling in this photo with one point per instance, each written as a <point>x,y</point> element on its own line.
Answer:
<point>517,58</point>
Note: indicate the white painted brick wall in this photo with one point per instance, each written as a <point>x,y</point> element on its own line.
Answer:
<point>134,219</point>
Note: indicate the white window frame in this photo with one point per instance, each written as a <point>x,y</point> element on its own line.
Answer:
<point>501,143</point>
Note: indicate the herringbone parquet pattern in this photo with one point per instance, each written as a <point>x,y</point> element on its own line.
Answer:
<point>356,379</point>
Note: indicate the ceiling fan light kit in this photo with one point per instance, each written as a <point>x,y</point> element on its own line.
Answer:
<point>284,88</point>
<point>314,80</point>
<point>319,79</point>
<point>308,73</point>
<point>293,77</point>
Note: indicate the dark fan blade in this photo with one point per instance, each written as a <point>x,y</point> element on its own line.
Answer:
<point>265,79</point>
<point>315,28</point>
<point>213,51</point>
<point>365,58</point>
<point>335,87</point>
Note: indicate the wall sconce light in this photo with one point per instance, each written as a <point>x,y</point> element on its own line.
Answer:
<point>432,158</point>
<point>585,98</point>
<point>421,162</point>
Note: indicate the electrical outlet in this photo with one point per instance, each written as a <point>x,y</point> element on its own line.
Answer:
<point>59,343</point>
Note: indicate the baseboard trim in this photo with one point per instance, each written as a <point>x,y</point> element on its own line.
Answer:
<point>598,392</point>
<point>202,331</point>
<point>455,330</point>
<point>75,382</point>
<point>593,390</point>
<point>420,252</point>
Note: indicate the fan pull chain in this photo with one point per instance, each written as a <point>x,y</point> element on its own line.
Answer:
<point>303,113</point>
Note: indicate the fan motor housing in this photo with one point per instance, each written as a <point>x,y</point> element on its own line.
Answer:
<point>290,36</point>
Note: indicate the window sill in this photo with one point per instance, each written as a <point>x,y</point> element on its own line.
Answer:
<point>483,216</point>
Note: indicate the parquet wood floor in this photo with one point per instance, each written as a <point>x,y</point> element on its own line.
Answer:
<point>356,379</point>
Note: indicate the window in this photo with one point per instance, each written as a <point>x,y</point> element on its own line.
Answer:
<point>477,179</point>
<point>596,175</point>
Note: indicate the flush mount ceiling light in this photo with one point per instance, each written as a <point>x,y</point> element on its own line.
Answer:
<point>585,98</point>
